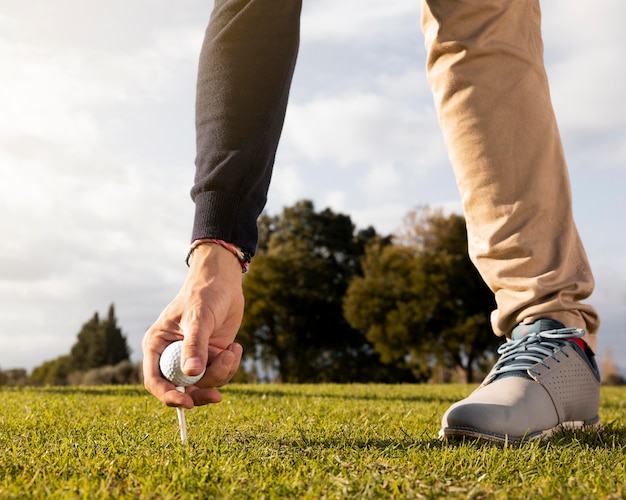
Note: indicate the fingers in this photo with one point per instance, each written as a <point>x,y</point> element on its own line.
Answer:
<point>202,397</point>
<point>193,396</point>
<point>222,366</point>
<point>156,339</point>
<point>219,372</point>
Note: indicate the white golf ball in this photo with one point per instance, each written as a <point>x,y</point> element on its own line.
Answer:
<point>171,369</point>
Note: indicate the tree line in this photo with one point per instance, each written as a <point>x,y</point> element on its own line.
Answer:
<point>328,303</point>
<point>100,355</point>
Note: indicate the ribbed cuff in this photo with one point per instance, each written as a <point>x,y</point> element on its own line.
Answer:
<point>225,217</point>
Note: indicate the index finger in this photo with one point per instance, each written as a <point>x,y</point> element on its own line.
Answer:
<point>155,341</point>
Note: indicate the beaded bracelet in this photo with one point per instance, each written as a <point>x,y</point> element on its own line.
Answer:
<point>243,257</point>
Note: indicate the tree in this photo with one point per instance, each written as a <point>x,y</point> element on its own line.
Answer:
<point>53,372</point>
<point>610,371</point>
<point>99,343</point>
<point>14,377</point>
<point>422,301</point>
<point>379,304</point>
<point>293,324</point>
<point>117,349</point>
<point>88,350</point>
<point>124,372</point>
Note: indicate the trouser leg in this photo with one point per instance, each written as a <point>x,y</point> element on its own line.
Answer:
<point>485,68</point>
<point>246,66</point>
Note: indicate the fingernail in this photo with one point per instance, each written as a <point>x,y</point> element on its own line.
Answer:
<point>234,348</point>
<point>227,358</point>
<point>193,366</point>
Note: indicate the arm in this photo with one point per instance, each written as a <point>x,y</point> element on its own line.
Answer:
<point>246,65</point>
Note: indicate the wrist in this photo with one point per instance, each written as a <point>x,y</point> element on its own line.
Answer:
<point>207,249</point>
<point>212,263</point>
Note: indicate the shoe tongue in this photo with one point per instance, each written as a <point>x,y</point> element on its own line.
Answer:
<point>541,325</point>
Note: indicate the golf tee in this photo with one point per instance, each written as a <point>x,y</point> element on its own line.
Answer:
<point>182,423</point>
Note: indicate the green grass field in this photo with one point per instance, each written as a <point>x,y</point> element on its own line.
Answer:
<point>288,441</point>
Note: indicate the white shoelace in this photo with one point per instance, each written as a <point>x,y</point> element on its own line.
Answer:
<point>523,354</point>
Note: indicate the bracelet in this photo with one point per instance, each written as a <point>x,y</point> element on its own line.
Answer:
<point>243,257</point>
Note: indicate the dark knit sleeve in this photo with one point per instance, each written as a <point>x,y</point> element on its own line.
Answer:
<point>245,71</point>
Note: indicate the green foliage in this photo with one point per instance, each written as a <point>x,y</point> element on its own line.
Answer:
<point>380,301</point>
<point>289,441</point>
<point>294,290</point>
<point>421,301</point>
<point>99,343</point>
<point>13,377</point>
<point>124,372</point>
<point>53,372</point>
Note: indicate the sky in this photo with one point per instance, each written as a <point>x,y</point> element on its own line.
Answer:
<point>97,149</point>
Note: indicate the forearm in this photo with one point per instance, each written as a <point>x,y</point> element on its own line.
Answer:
<point>245,71</point>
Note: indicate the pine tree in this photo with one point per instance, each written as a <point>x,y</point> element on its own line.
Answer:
<point>84,353</point>
<point>116,345</point>
<point>99,343</point>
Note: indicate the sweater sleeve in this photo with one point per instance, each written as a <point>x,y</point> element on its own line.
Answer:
<point>244,75</point>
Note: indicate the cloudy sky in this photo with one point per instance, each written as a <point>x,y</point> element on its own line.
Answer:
<point>97,148</point>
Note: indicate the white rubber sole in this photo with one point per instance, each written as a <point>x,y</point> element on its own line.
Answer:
<point>458,434</point>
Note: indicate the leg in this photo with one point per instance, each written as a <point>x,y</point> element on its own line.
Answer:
<point>485,67</point>
<point>246,65</point>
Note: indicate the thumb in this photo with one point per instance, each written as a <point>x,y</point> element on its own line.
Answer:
<point>194,353</point>
<point>193,365</point>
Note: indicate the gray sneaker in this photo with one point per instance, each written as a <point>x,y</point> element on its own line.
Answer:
<point>542,383</point>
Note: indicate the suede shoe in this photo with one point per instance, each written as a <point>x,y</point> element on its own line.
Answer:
<point>543,382</point>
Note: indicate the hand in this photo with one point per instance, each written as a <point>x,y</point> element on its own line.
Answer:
<point>206,314</point>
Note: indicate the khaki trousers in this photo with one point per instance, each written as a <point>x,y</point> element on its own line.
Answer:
<point>485,68</point>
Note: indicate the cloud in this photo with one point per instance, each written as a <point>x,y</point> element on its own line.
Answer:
<point>357,127</point>
<point>381,182</point>
<point>89,216</point>
<point>586,78</point>
<point>97,146</point>
<point>336,200</point>
<point>288,184</point>
<point>369,21</point>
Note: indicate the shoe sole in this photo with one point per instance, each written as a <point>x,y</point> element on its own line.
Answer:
<point>459,434</point>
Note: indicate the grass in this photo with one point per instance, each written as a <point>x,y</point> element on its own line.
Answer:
<point>288,441</point>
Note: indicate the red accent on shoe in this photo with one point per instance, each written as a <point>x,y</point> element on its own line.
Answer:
<point>581,343</point>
